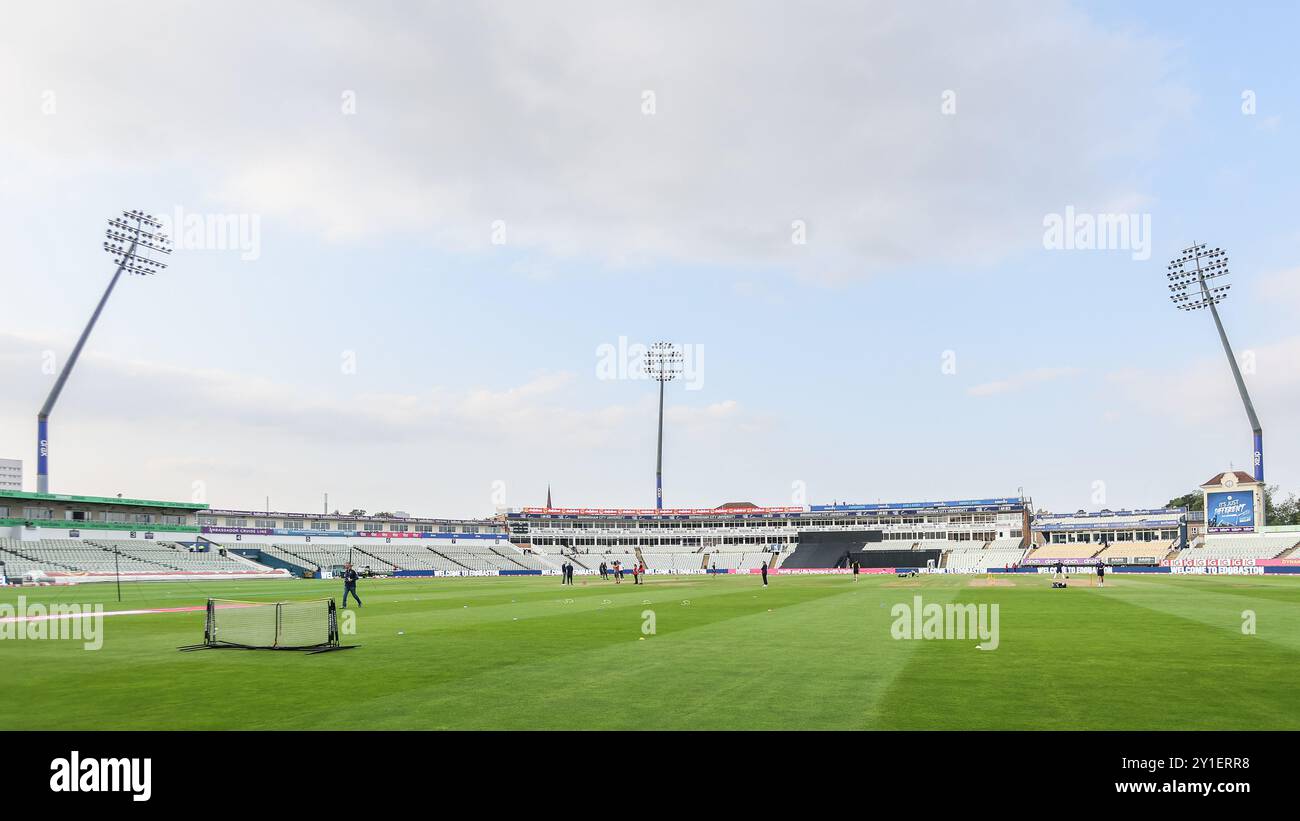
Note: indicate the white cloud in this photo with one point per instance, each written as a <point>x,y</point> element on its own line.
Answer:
<point>149,429</point>
<point>1280,289</point>
<point>1203,392</point>
<point>532,114</point>
<point>1020,381</point>
<point>1196,407</point>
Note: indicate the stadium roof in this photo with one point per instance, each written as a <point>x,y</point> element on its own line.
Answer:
<point>1102,514</point>
<point>98,500</point>
<point>888,506</point>
<point>395,516</point>
<point>1241,476</point>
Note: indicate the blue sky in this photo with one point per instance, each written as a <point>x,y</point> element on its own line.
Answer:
<point>475,378</point>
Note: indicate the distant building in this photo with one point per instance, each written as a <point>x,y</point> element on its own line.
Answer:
<point>11,474</point>
<point>304,527</point>
<point>740,536</point>
<point>1108,527</point>
<point>27,516</point>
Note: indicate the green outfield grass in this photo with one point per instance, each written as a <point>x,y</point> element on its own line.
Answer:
<point>1147,652</point>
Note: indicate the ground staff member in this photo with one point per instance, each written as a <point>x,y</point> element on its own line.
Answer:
<point>350,584</point>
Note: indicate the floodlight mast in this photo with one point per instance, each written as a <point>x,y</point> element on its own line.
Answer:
<point>1206,266</point>
<point>130,239</point>
<point>663,363</point>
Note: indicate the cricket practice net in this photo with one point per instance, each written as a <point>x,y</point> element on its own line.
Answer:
<point>289,625</point>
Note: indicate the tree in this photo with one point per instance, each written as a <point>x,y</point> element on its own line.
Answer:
<point>1270,491</point>
<point>1289,511</point>
<point>356,512</point>
<point>1191,501</point>
<point>1284,512</point>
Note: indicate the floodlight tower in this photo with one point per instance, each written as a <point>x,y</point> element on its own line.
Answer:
<point>663,362</point>
<point>1196,280</point>
<point>138,246</point>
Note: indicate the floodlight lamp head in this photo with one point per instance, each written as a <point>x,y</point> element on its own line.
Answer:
<point>663,362</point>
<point>1196,277</point>
<point>136,242</point>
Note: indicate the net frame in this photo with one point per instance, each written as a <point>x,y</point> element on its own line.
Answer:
<point>293,633</point>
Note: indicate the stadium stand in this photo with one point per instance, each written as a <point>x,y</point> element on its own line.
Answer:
<point>730,561</point>
<point>668,548</point>
<point>1144,535</point>
<point>968,558</point>
<point>1078,550</point>
<point>402,557</point>
<point>753,561</point>
<point>1261,546</point>
<point>959,536</point>
<point>19,561</point>
<point>739,535</point>
<point>926,544</point>
<point>72,554</point>
<point>1153,551</point>
<point>295,563</point>
<point>528,561</point>
<point>330,556</point>
<point>385,558</point>
<point>477,557</point>
<point>175,556</point>
<point>67,556</point>
<point>593,558</point>
<point>662,562</point>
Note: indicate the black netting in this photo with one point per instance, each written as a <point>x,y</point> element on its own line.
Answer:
<point>244,624</point>
<point>275,625</point>
<point>304,624</point>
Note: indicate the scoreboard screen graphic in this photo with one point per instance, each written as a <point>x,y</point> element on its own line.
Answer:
<point>1230,512</point>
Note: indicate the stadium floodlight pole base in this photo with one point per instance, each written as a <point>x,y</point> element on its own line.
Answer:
<point>272,626</point>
